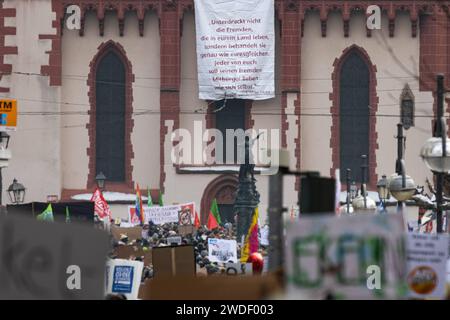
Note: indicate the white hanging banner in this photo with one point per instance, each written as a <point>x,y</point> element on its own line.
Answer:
<point>235,49</point>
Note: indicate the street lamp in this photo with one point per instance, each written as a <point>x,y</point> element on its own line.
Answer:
<point>4,139</point>
<point>383,190</point>
<point>432,154</point>
<point>435,151</point>
<point>100,179</point>
<point>402,187</point>
<point>16,192</point>
<point>363,202</point>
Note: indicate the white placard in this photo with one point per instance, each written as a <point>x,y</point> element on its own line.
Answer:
<point>51,260</point>
<point>235,49</point>
<point>264,235</point>
<point>124,277</point>
<point>323,256</point>
<point>166,214</point>
<point>427,256</point>
<point>220,250</point>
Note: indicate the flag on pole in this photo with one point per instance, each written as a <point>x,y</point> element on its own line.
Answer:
<point>215,211</point>
<point>196,220</point>
<point>212,222</point>
<point>46,215</point>
<point>101,208</point>
<point>67,215</point>
<point>251,243</point>
<point>149,198</point>
<point>160,199</point>
<point>337,199</point>
<point>139,207</point>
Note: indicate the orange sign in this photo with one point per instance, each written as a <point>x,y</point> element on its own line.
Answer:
<point>8,114</point>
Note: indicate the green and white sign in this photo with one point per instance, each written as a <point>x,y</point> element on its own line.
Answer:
<point>359,257</point>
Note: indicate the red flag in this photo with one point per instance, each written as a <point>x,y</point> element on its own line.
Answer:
<point>101,208</point>
<point>197,220</point>
<point>429,226</point>
<point>212,222</point>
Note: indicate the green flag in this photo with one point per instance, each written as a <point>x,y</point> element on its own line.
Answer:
<point>149,198</point>
<point>47,215</point>
<point>160,199</point>
<point>215,211</point>
<point>67,215</point>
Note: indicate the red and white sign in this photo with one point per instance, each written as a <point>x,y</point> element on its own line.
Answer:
<point>235,49</point>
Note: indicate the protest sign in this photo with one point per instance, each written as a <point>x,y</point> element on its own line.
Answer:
<point>235,49</point>
<point>132,233</point>
<point>173,261</point>
<point>220,250</point>
<point>179,213</point>
<point>132,252</point>
<point>45,260</point>
<point>264,235</point>
<point>187,214</point>
<point>427,256</point>
<point>358,257</point>
<point>174,240</point>
<point>124,277</point>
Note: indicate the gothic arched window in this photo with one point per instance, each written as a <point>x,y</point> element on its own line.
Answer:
<point>110,80</point>
<point>354,113</point>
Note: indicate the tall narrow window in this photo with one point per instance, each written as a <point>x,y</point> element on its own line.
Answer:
<point>110,117</point>
<point>354,114</point>
<point>230,114</point>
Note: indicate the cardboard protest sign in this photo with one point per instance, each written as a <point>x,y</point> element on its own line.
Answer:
<point>133,233</point>
<point>173,261</point>
<point>220,250</point>
<point>45,260</point>
<point>131,252</point>
<point>212,288</point>
<point>427,256</point>
<point>124,277</point>
<point>358,257</point>
<point>185,230</point>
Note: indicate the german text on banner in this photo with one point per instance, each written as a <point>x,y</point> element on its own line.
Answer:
<point>235,49</point>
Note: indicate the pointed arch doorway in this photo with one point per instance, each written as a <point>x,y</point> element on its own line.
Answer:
<point>223,188</point>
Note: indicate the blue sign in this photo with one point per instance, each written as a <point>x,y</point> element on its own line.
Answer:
<point>123,279</point>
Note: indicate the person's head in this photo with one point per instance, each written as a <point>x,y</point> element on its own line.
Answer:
<point>118,296</point>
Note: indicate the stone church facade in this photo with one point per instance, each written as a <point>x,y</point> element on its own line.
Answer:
<point>138,56</point>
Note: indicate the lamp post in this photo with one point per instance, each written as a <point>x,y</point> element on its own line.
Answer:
<point>363,201</point>
<point>436,151</point>
<point>401,186</point>
<point>100,179</point>
<point>16,192</point>
<point>347,178</point>
<point>247,197</point>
